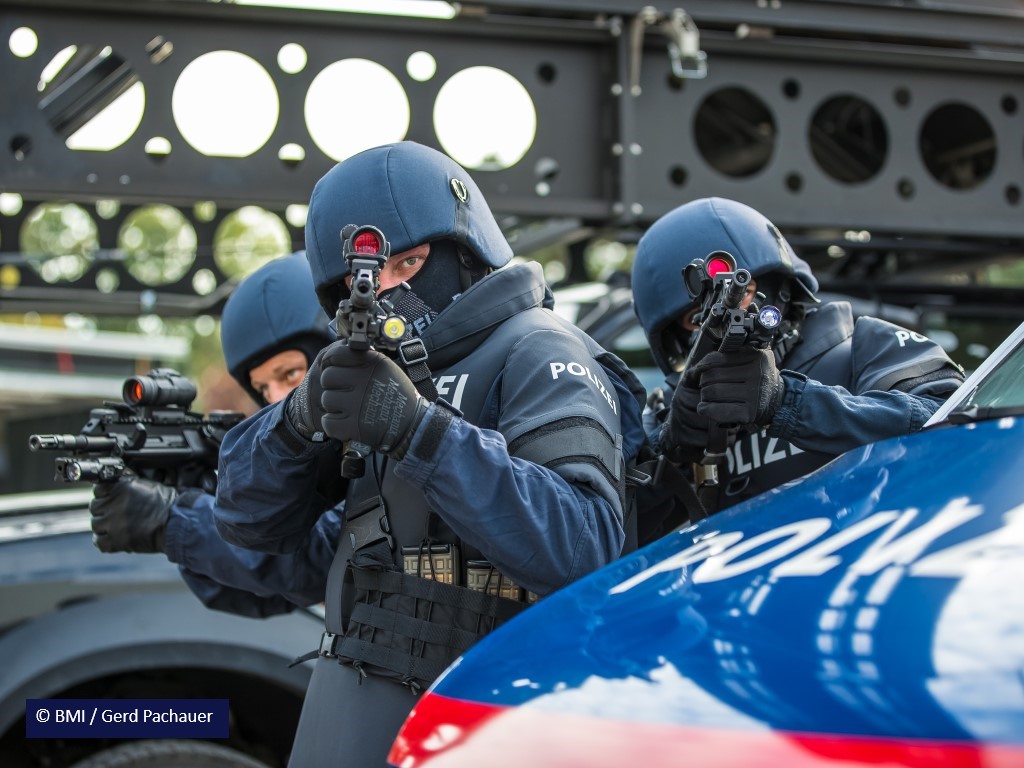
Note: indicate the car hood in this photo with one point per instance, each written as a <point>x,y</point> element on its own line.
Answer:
<point>869,610</point>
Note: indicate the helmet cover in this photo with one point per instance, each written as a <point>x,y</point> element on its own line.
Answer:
<point>411,193</point>
<point>693,231</point>
<point>270,311</point>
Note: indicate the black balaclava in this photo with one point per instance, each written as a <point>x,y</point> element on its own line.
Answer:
<point>309,344</point>
<point>776,290</point>
<point>445,275</point>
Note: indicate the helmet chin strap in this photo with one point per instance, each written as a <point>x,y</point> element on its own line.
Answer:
<point>465,268</point>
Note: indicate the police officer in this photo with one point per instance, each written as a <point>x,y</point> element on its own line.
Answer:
<point>508,484</point>
<point>831,382</point>
<point>271,330</point>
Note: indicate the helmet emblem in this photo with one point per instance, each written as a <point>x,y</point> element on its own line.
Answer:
<point>459,190</point>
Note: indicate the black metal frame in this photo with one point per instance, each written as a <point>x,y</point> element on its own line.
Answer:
<point>619,139</point>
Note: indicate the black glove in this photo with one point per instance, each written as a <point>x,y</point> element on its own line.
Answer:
<point>130,515</point>
<point>742,387</point>
<point>656,403</point>
<point>369,399</point>
<point>304,409</point>
<point>685,433</point>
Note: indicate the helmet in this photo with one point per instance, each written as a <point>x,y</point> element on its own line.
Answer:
<point>692,231</point>
<point>269,312</point>
<point>411,193</point>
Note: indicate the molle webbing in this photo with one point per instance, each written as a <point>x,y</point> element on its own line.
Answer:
<point>411,628</point>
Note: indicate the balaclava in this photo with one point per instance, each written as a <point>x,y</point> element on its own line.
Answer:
<point>445,274</point>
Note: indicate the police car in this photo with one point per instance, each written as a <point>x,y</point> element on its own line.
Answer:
<point>76,623</point>
<point>869,613</point>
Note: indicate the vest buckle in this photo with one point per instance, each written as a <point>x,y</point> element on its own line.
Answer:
<point>412,352</point>
<point>328,642</point>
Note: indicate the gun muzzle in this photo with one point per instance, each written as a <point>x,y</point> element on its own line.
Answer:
<point>736,288</point>
<point>364,287</point>
<point>47,442</point>
<point>78,443</point>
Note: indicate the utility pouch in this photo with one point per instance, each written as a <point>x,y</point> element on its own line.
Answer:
<point>481,576</point>
<point>439,562</point>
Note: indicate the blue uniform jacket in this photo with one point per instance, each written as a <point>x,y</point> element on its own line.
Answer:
<point>542,526</point>
<point>849,382</point>
<point>237,580</point>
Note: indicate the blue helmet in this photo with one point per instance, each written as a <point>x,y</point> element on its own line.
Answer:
<point>692,231</point>
<point>411,193</point>
<point>269,312</point>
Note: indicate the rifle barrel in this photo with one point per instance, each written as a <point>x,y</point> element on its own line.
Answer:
<point>736,289</point>
<point>78,443</point>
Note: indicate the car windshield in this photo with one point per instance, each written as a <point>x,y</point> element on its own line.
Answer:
<point>996,389</point>
<point>1004,387</point>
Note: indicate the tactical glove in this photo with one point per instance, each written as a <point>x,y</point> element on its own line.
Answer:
<point>685,433</point>
<point>369,399</point>
<point>130,515</point>
<point>741,388</point>
<point>304,409</point>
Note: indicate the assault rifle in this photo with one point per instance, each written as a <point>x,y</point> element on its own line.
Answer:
<point>151,433</point>
<point>368,321</point>
<point>719,287</point>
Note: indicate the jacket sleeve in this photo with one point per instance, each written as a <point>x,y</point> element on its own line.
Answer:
<point>898,380</point>
<point>218,597</point>
<point>193,542</point>
<point>525,495</point>
<point>265,500</point>
<point>832,420</point>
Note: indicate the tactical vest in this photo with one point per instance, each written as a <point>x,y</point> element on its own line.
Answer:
<point>405,597</point>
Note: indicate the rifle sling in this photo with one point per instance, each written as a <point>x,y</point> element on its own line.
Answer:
<point>412,356</point>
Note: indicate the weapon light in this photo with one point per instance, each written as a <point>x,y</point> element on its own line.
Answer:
<point>769,317</point>
<point>394,328</point>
